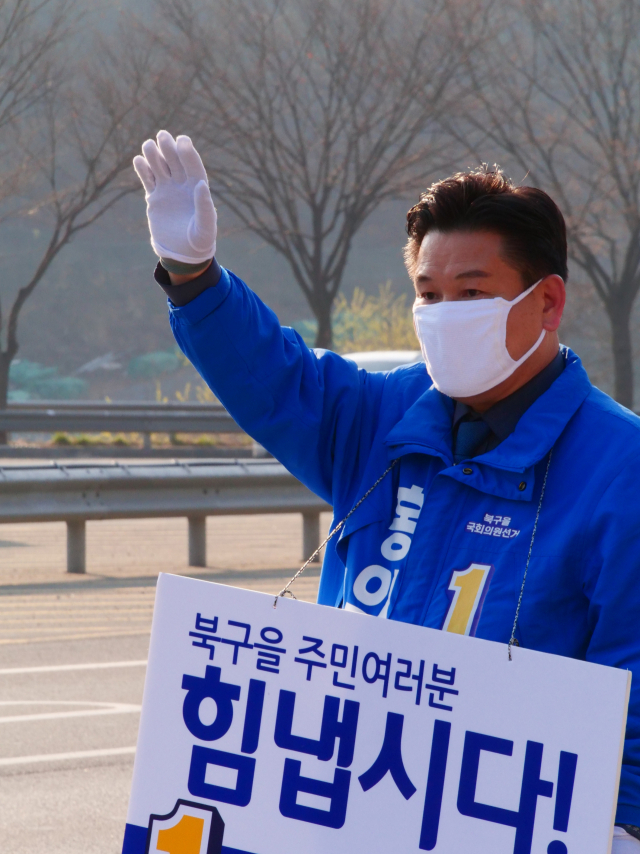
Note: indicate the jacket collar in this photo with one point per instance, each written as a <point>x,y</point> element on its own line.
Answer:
<point>502,418</point>
<point>426,426</point>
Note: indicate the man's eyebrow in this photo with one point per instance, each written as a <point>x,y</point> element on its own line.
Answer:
<point>473,274</point>
<point>422,278</point>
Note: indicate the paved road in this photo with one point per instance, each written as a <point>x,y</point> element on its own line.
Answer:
<point>72,664</point>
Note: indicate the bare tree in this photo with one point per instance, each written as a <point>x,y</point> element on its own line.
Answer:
<point>564,105</point>
<point>30,32</point>
<point>314,112</point>
<point>77,140</point>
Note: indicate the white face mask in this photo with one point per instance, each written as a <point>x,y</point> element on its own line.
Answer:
<point>464,343</point>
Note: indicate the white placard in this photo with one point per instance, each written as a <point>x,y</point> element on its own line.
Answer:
<point>311,729</point>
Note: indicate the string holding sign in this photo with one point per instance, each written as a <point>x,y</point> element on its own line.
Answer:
<point>285,590</point>
<point>512,640</point>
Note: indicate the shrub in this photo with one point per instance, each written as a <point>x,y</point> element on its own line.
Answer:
<point>23,373</point>
<point>153,364</point>
<point>59,388</point>
<point>19,395</point>
<point>382,322</point>
<point>206,440</point>
<point>366,323</point>
<point>34,379</point>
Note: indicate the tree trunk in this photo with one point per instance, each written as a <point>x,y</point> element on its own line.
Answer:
<point>622,356</point>
<point>324,336</point>
<point>5,364</point>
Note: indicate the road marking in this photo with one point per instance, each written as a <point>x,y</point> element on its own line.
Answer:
<point>54,638</point>
<point>71,600</point>
<point>102,709</point>
<point>56,757</point>
<point>57,614</point>
<point>56,668</point>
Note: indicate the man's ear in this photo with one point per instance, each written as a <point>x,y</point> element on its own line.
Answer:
<point>554,295</point>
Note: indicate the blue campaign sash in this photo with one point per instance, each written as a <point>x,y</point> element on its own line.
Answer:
<point>378,540</point>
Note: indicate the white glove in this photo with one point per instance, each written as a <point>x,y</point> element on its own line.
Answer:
<point>182,218</point>
<point>623,843</point>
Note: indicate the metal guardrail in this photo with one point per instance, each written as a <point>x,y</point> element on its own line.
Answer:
<point>77,493</point>
<point>99,417</point>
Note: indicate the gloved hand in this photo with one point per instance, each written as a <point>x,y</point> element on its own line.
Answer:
<point>623,843</point>
<point>182,218</point>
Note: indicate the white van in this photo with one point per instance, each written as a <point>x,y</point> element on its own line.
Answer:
<point>384,360</point>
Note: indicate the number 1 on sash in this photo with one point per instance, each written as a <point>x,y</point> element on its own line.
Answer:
<point>469,588</point>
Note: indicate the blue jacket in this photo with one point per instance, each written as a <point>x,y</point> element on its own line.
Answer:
<point>438,544</point>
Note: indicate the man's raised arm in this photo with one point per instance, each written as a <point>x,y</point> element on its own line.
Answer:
<point>313,411</point>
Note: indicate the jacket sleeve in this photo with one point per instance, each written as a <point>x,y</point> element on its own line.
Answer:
<point>312,409</point>
<point>612,585</point>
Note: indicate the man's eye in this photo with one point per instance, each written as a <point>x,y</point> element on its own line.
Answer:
<point>429,295</point>
<point>473,292</point>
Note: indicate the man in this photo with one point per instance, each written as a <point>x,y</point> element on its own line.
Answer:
<point>504,430</point>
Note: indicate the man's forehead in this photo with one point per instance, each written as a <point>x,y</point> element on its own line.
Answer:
<point>459,253</point>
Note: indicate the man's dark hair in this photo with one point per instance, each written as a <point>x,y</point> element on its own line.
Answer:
<point>530,223</point>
